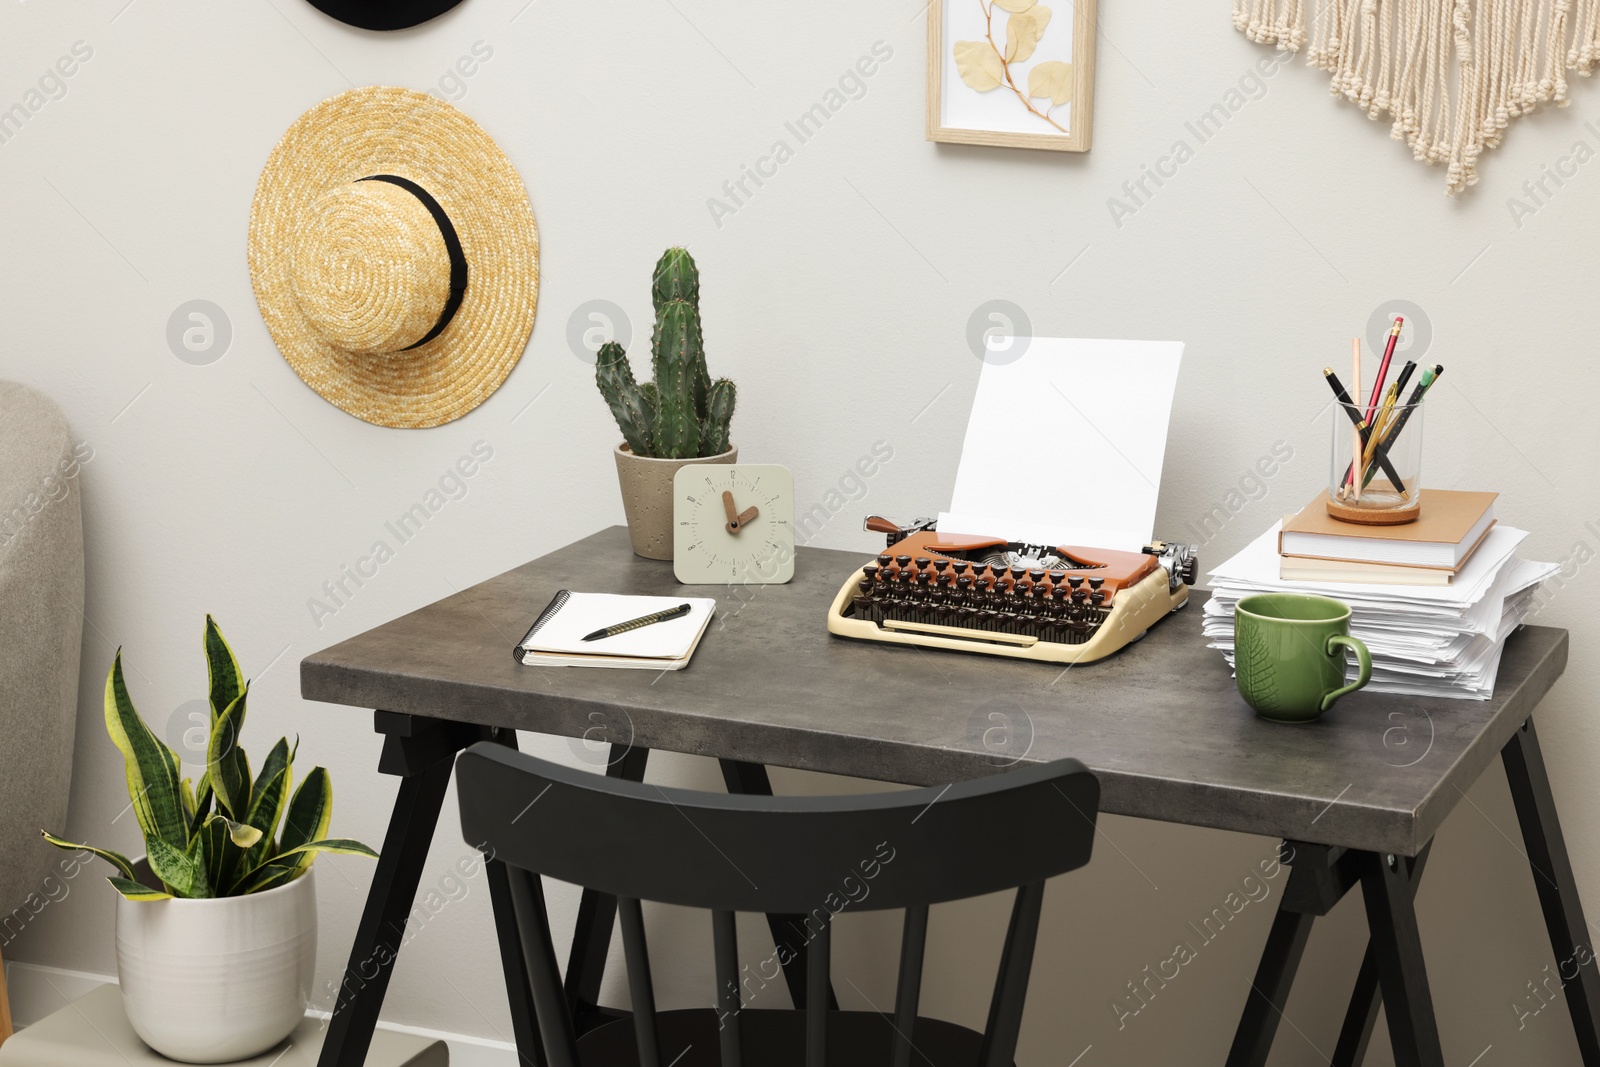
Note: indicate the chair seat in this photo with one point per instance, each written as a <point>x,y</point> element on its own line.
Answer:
<point>689,1038</point>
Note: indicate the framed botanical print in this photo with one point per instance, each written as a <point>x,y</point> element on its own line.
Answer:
<point>1016,73</point>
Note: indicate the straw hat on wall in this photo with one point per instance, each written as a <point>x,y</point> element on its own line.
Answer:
<point>394,256</point>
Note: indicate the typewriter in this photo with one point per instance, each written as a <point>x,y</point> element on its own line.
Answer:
<point>1009,598</point>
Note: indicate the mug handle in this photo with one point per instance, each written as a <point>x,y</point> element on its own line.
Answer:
<point>1363,661</point>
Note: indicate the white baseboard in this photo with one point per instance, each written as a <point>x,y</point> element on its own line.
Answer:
<point>38,991</point>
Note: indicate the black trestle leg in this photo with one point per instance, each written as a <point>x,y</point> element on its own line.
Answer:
<point>1558,890</point>
<point>1269,992</point>
<point>383,920</point>
<point>524,1021</point>
<point>1362,1014</point>
<point>1397,951</point>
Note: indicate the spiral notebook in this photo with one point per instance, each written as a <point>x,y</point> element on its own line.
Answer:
<point>556,637</point>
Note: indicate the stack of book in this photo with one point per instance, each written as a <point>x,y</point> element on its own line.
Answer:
<point>1315,547</point>
<point>1434,600</point>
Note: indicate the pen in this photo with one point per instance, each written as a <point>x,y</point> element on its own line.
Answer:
<point>1429,376</point>
<point>1380,429</point>
<point>1405,375</point>
<point>1355,418</point>
<point>634,624</point>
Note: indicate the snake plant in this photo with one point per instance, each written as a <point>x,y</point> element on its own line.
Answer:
<point>223,839</point>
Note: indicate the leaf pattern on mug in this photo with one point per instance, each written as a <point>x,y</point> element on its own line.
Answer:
<point>1257,669</point>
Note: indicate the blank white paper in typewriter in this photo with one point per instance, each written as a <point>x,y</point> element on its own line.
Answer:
<point>1066,441</point>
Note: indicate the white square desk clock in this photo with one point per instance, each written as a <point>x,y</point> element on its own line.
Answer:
<point>733,524</point>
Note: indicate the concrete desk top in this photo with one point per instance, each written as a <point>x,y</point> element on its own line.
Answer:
<point>1160,723</point>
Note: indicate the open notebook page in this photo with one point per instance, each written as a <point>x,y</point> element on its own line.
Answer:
<point>563,629</point>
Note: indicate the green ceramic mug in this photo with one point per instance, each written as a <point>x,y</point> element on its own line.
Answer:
<point>1289,654</point>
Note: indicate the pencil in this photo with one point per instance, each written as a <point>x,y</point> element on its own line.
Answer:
<point>1383,368</point>
<point>1357,470</point>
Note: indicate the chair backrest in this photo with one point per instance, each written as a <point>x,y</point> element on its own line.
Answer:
<point>811,856</point>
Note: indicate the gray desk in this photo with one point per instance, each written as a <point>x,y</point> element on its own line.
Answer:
<point>1356,797</point>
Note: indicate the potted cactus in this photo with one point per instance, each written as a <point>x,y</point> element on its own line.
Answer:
<point>679,418</point>
<point>217,923</point>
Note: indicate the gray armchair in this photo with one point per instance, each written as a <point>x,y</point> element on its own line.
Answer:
<point>41,633</point>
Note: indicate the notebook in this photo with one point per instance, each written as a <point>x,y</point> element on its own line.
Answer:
<point>556,637</point>
<point>1450,528</point>
<point>1302,569</point>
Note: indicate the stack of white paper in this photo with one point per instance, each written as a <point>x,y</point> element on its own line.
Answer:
<point>1425,640</point>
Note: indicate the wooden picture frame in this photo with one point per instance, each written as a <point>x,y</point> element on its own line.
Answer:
<point>1005,128</point>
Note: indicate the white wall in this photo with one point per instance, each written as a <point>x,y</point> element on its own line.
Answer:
<point>838,296</point>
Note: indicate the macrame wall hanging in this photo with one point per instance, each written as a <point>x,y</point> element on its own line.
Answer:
<point>1451,74</point>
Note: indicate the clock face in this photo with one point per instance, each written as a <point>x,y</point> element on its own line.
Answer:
<point>733,524</point>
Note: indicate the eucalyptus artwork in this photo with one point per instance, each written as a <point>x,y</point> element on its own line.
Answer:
<point>222,839</point>
<point>986,65</point>
<point>1011,73</point>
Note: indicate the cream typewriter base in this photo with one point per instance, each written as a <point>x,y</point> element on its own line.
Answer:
<point>1133,612</point>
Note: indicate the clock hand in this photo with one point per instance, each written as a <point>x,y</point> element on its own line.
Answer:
<point>747,516</point>
<point>733,512</point>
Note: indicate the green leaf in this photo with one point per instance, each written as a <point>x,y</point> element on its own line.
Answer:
<point>137,890</point>
<point>266,808</point>
<point>310,811</point>
<point>221,849</point>
<point>183,872</point>
<point>116,859</point>
<point>276,760</point>
<point>227,682</point>
<point>151,767</point>
<point>214,851</point>
<point>226,766</point>
<point>305,853</point>
<point>202,804</point>
<point>267,876</point>
<point>186,795</point>
<point>342,846</point>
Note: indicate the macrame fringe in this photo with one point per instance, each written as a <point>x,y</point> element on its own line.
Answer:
<point>1396,57</point>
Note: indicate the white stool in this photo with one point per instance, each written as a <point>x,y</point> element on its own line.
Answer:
<point>93,1031</point>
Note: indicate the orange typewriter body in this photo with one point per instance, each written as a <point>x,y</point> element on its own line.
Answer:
<point>1057,604</point>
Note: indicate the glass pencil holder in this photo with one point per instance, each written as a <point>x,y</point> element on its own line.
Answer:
<point>1375,474</point>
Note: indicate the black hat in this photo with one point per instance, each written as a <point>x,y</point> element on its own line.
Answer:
<point>383,14</point>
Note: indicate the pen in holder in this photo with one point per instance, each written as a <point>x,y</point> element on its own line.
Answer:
<point>1382,486</point>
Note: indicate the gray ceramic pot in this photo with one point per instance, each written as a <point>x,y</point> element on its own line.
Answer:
<point>647,497</point>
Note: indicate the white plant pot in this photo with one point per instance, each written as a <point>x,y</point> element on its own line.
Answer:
<point>211,981</point>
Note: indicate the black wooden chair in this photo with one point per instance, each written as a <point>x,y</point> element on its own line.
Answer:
<point>807,856</point>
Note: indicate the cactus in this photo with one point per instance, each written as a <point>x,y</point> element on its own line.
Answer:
<point>677,278</point>
<point>678,419</point>
<point>682,414</point>
<point>719,412</point>
<point>634,415</point>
